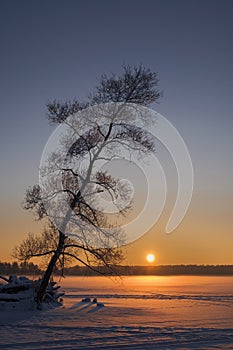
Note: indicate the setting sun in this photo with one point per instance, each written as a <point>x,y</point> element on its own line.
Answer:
<point>150,258</point>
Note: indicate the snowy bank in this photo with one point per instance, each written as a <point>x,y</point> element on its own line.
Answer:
<point>19,293</point>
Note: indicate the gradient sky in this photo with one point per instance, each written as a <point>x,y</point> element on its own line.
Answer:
<point>58,49</point>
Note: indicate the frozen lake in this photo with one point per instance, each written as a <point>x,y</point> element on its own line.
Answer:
<point>143,312</point>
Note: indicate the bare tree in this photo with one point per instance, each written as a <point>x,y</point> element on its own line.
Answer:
<point>80,231</point>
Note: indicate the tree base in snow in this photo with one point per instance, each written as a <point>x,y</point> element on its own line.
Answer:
<point>19,293</point>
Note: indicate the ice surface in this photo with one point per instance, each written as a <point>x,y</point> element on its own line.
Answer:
<point>139,313</point>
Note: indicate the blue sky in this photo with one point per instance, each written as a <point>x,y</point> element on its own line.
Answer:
<point>58,49</point>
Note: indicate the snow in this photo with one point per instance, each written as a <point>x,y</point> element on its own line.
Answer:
<point>139,313</point>
<point>19,294</point>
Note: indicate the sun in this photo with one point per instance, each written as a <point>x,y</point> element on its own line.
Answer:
<point>150,258</point>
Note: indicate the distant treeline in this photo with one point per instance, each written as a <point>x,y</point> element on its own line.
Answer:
<point>19,269</point>
<point>162,270</point>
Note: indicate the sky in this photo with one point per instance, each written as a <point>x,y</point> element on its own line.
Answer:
<point>58,50</point>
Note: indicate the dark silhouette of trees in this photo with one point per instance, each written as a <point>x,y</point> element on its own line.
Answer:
<point>30,268</point>
<point>17,269</point>
<point>80,182</point>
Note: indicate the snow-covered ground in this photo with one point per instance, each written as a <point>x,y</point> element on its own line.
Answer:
<point>139,313</point>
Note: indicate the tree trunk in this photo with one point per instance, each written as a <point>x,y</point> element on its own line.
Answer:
<point>45,280</point>
<point>47,275</point>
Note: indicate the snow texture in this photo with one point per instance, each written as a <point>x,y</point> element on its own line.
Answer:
<point>138,313</point>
